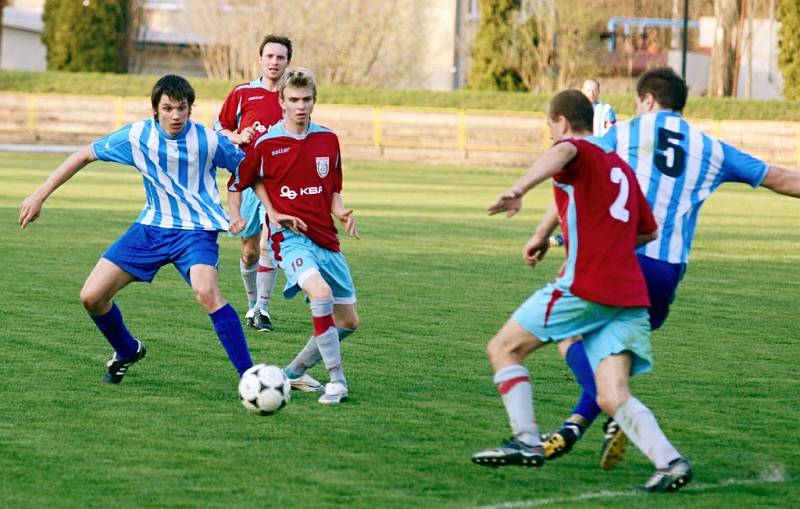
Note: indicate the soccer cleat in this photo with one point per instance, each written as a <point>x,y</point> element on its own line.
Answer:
<point>560,442</point>
<point>614,442</point>
<point>118,367</point>
<point>262,321</point>
<point>306,383</point>
<point>510,452</point>
<point>672,478</point>
<point>335,393</point>
<point>249,318</point>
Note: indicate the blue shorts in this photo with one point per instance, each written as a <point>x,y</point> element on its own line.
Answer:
<point>551,314</point>
<point>253,212</point>
<point>144,249</point>
<point>662,284</point>
<point>301,258</point>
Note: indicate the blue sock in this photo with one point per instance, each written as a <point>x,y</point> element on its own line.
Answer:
<point>578,362</point>
<point>113,328</point>
<point>231,335</point>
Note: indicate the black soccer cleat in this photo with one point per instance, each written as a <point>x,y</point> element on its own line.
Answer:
<point>510,452</point>
<point>118,367</point>
<point>560,442</point>
<point>614,442</point>
<point>672,478</point>
<point>262,321</point>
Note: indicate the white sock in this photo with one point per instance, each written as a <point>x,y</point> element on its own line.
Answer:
<point>249,278</point>
<point>327,338</point>
<point>639,424</point>
<point>328,344</point>
<point>309,356</point>
<point>265,282</point>
<point>515,388</point>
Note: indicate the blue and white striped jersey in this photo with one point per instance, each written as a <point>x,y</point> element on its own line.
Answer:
<point>179,173</point>
<point>678,167</point>
<point>603,118</point>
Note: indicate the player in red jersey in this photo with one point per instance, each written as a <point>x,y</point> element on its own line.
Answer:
<point>296,170</point>
<point>247,112</point>
<point>599,293</point>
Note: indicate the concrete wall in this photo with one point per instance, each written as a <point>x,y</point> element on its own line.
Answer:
<point>432,135</point>
<point>21,47</point>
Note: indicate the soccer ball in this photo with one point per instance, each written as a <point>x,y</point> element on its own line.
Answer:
<point>264,389</point>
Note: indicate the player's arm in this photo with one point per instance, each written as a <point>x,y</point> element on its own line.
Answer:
<point>239,138</point>
<point>550,163</point>
<point>344,215</point>
<point>536,247</point>
<point>643,239</point>
<point>235,206</point>
<point>782,181</point>
<point>646,227</point>
<point>294,223</point>
<point>31,207</point>
<point>227,123</point>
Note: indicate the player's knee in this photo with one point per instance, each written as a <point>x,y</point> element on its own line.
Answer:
<point>208,296</point>
<point>316,288</point>
<point>92,302</point>
<point>610,400</point>
<point>249,255</point>
<point>497,349</point>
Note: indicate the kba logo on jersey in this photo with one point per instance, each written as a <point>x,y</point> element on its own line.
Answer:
<point>323,166</point>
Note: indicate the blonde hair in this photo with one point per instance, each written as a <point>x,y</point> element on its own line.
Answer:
<point>299,77</point>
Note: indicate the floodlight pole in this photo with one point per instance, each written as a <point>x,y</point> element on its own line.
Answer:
<point>685,36</point>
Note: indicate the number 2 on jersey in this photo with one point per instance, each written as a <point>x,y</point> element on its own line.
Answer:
<point>617,209</point>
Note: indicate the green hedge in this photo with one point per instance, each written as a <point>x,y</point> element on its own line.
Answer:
<point>138,85</point>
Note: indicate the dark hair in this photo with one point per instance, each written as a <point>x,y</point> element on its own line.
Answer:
<point>175,87</point>
<point>277,39</point>
<point>667,88</point>
<point>299,77</point>
<point>575,107</point>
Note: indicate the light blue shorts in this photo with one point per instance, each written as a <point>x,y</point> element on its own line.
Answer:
<point>552,314</point>
<point>253,212</point>
<point>301,258</point>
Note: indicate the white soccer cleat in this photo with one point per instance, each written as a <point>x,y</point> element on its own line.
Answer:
<point>335,393</point>
<point>249,318</point>
<point>306,383</point>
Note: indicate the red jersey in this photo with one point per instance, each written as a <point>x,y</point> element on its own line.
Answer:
<point>300,173</point>
<point>602,210</point>
<point>249,105</point>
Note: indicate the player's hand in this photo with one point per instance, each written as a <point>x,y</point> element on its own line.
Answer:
<point>535,250</point>
<point>349,223</point>
<point>509,202</point>
<point>237,225</point>
<point>29,210</point>
<point>294,223</point>
<point>246,136</point>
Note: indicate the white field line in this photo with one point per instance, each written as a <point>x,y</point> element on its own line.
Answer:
<point>775,474</point>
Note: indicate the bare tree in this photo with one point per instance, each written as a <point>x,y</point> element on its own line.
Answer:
<point>723,53</point>
<point>358,42</point>
<point>554,44</point>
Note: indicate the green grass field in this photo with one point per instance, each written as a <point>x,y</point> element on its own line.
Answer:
<point>436,278</point>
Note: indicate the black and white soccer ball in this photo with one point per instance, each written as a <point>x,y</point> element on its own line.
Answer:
<point>264,389</point>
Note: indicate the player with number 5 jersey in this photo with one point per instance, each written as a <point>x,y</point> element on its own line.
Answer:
<point>678,167</point>
<point>296,171</point>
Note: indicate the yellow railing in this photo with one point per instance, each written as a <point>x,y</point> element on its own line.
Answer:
<point>456,133</point>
